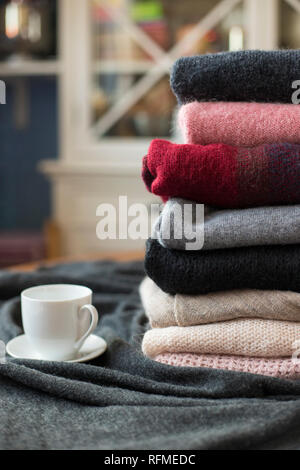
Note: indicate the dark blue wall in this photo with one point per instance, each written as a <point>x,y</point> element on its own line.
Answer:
<point>24,192</point>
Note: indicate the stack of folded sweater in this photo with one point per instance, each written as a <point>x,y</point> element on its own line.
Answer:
<point>235,302</point>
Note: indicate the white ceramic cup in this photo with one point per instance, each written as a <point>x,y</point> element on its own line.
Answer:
<point>57,319</point>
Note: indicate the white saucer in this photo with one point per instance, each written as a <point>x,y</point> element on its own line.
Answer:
<point>21,348</point>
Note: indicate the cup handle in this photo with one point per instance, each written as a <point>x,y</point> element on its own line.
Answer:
<point>94,322</point>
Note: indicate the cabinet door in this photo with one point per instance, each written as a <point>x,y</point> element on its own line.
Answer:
<point>116,86</point>
<point>135,42</point>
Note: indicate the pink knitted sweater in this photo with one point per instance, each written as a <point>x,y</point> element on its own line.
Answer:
<point>281,367</point>
<point>241,124</point>
<point>242,337</point>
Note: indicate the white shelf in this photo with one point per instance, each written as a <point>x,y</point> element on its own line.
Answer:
<point>122,66</point>
<point>53,67</point>
<point>28,68</point>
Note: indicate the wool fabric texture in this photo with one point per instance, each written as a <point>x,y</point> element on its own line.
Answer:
<point>263,76</point>
<point>280,367</point>
<point>224,176</point>
<point>165,310</point>
<point>46,405</point>
<point>242,337</point>
<point>200,272</point>
<point>241,124</point>
<point>179,228</point>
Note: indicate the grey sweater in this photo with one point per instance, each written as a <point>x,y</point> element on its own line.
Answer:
<point>277,225</point>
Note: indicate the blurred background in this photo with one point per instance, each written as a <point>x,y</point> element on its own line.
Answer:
<point>87,88</point>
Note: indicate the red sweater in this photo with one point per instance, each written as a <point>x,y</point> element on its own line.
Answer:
<point>223,175</point>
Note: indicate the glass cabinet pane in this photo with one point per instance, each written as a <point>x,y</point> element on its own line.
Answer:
<point>289,28</point>
<point>130,38</point>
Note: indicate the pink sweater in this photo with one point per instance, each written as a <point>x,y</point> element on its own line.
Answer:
<point>252,337</point>
<point>241,124</point>
<point>281,367</point>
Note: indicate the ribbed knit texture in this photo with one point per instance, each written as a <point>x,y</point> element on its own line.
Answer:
<point>165,310</point>
<point>200,272</point>
<point>282,368</point>
<point>278,225</point>
<point>242,124</point>
<point>242,337</point>
<point>264,76</point>
<point>225,176</point>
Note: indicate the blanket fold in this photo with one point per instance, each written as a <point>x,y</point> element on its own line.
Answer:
<point>242,337</point>
<point>222,175</point>
<point>280,367</point>
<point>241,124</point>
<point>200,272</point>
<point>263,76</point>
<point>160,407</point>
<point>178,227</point>
<point>165,310</point>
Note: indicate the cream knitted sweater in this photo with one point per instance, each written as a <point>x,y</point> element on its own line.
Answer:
<point>184,310</point>
<point>243,337</point>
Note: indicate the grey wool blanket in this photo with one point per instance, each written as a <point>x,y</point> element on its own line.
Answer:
<point>122,400</point>
<point>179,226</point>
